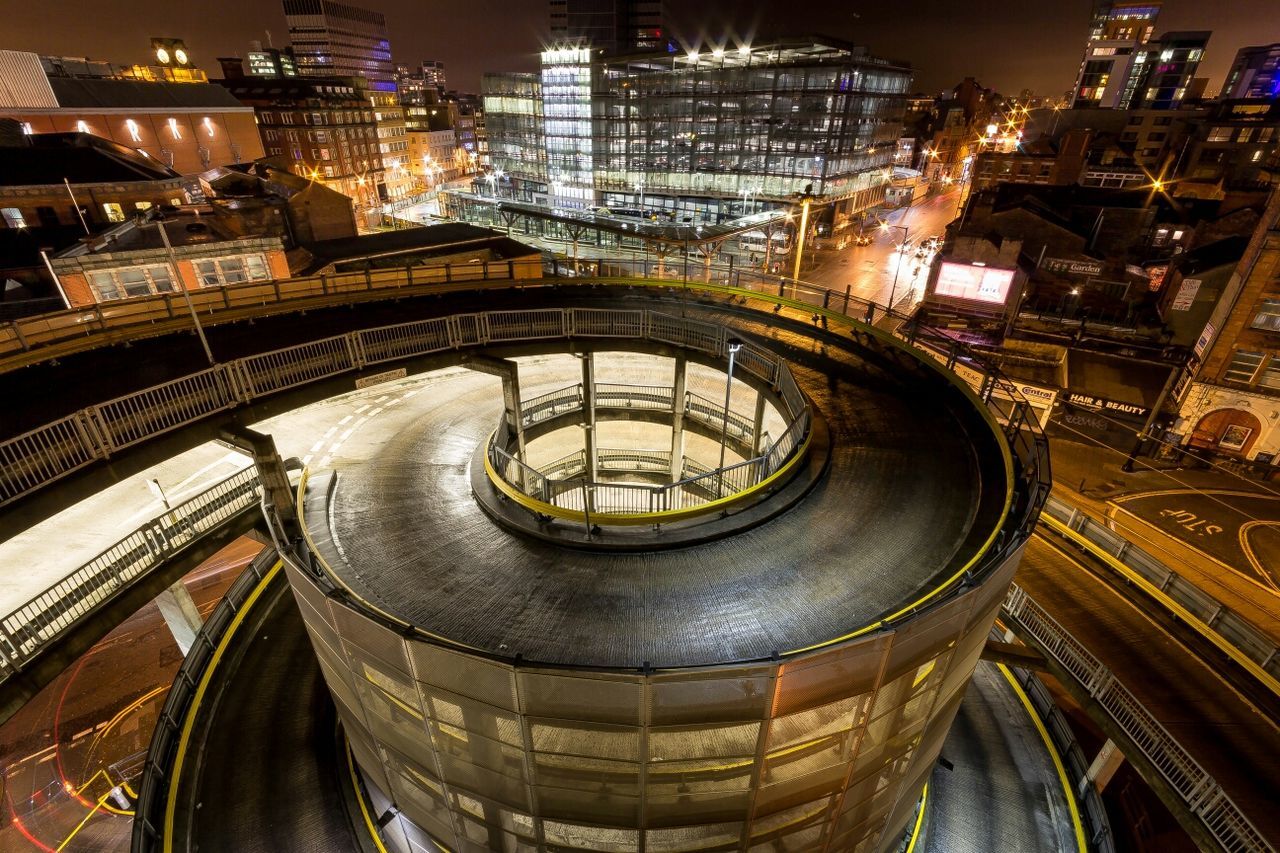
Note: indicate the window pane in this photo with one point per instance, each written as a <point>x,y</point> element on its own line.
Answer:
<point>1270,377</point>
<point>257,267</point>
<point>105,285</point>
<point>135,282</point>
<point>161,279</point>
<point>207,272</point>
<point>1243,365</point>
<point>232,270</point>
<point>1268,316</point>
<point>13,217</point>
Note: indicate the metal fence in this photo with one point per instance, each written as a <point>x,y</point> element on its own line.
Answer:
<point>1249,646</point>
<point>1073,759</point>
<point>153,793</point>
<point>1202,795</point>
<point>597,499</point>
<point>41,456</point>
<point>31,627</point>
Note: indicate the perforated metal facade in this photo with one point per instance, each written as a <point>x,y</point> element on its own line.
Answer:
<point>824,750</point>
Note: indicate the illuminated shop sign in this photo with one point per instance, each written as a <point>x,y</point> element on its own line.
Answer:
<point>974,282</point>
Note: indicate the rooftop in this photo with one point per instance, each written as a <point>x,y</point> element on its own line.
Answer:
<point>81,158</point>
<point>186,227</point>
<point>94,93</point>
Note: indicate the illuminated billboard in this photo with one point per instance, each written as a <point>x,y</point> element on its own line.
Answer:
<point>973,282</point>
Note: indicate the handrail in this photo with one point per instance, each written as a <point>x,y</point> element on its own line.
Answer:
<point>602,502</point>
<point>1202,795</point>
<point>173,727</point>
<point>1255,652</point>
<point>1024,452</point>
<point>30,628</point>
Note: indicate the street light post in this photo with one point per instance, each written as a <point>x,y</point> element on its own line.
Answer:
<point>733,345</point>
<point>186,295</point>
<point>885,226</point>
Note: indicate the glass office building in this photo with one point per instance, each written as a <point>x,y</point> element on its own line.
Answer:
<point>703,136</point>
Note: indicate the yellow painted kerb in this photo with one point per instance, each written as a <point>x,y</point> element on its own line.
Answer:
<point>544,508</point>
<point>188,724</point>
<point>364,807</point>
<point>1067,790</point>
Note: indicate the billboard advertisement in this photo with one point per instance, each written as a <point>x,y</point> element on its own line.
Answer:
<point>973,282</point>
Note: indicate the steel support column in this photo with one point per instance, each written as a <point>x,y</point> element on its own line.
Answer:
<point>678,385</point>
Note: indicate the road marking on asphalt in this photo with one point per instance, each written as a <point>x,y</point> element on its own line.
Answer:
<point>1166,492</point>
<point>1251,556</point>
<point>319,444</point>
<point>344,420</point>
<point>1112,508</point>
<point>360,409</point>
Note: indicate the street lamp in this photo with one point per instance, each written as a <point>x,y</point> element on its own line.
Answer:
<point>733,345</point>
<point>893,290</point>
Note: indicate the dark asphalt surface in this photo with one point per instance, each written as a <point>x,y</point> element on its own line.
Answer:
<point>874,533</point>
<point>1221,525</point>
<point>270,771</point>
<point>1231,740</point>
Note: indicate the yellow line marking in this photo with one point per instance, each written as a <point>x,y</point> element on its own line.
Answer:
<point>915,831</point>
<point>93,811</point>
<point>105,775</point>
<point>1248,549</point>
<point>364,808</point>
<point>189,723</point>
<point>535,505</point>
<point>1129,528</point>
<point>1053,753</point>
<point>1264,677</point>
<point>1160,493</point>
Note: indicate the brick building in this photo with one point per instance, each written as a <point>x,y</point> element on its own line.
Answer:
<point>324,126</point>
<point>131,260</point>
<point>1232,407</point>
<point>186,124</point>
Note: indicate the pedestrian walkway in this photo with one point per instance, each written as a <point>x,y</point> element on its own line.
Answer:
<point>1003,791</point>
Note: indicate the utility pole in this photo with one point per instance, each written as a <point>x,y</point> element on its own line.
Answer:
<point>1127,467</point>
<point>177,281</point>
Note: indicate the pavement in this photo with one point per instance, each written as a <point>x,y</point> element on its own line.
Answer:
<point>1002,791</point>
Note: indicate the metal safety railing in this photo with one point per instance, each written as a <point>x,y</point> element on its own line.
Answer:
<point>1202,795</point>
<point>166,738</point>
<point>28,629</point>
<point>609,501</point>
<point>657,398</point>
<point>1249,646</point>
<point>36,458</point>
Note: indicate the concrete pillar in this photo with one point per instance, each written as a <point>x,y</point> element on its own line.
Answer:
<point>590,442</point>
<point>1104,767</point>
<point>180,614</point>
<point>758,425</point>
<point>678,385</point>
<point>511,403</point>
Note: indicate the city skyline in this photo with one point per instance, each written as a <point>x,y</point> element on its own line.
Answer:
<point>1014,46</point>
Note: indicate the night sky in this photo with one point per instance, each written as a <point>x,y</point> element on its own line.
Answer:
<point>1007,44</point>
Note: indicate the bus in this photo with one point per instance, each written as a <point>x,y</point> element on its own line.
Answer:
<point>754,242</point>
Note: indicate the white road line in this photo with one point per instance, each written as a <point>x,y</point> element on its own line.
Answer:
<point>319,444</point>
<point>330,431</point>
<point>344,420</point>
<point>306,460</point>
<point>362,408</point>
<point>324,460</point>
